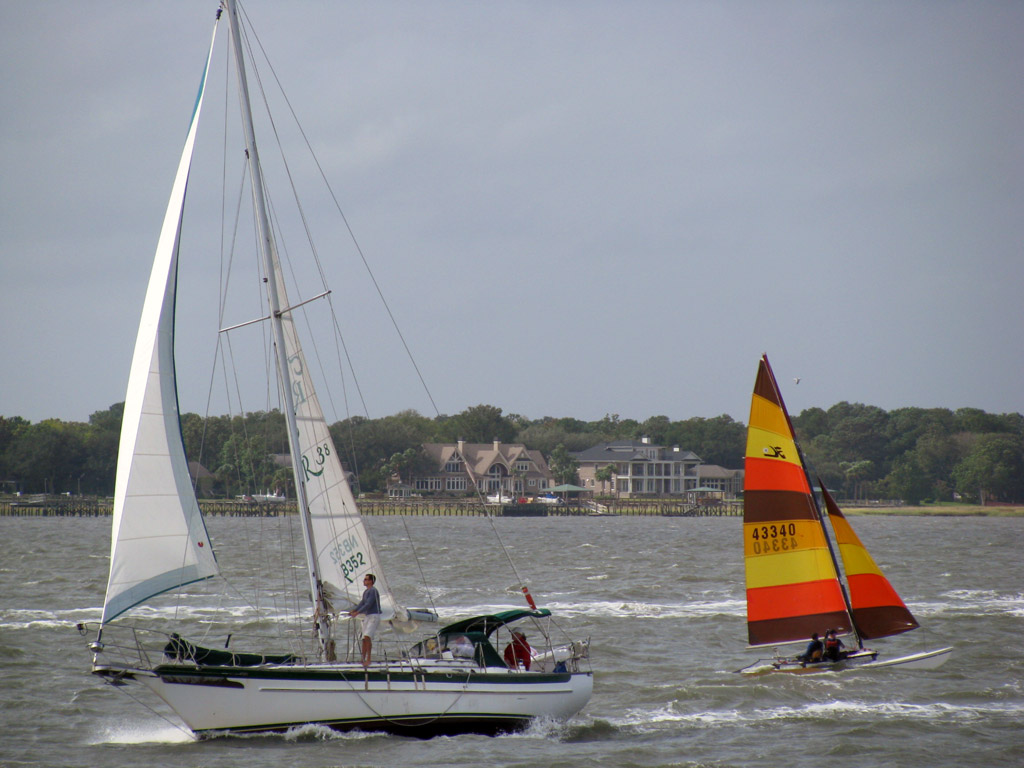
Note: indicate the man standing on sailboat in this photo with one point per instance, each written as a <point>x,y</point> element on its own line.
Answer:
<point>368,611</point>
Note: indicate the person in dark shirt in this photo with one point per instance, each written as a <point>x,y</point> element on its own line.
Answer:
<point>834,648</point>
<point>368,611</point>
<point>813,651</point>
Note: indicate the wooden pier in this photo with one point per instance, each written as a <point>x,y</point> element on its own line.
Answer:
<point>91,506</point>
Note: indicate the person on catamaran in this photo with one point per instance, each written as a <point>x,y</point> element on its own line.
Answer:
<point>517,652</point>
<point>813,651</point>
<point>368,611</point>
<point>834,648</point>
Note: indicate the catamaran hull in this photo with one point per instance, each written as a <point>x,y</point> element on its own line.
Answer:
<point>863,660</point>
<point>216,701</point>
<point>927,660</point>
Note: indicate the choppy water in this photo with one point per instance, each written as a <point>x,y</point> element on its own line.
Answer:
<point>661,598</point>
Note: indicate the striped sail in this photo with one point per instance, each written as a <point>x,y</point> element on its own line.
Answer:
<point>158,537</point>
<point>877,610</point>
<point>792,585</point>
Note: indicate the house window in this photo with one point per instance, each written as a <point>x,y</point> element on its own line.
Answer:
<point>522,466</point>
<point>455,484</point>
<point>453,465</point>
<point>428,483</point>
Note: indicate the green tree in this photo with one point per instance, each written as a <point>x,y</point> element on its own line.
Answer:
<point>856,473</point>
<point>908,480</point>
<point>604,475</point>
<point>479,424</point>
<point>977,421</point>
<point>657,429</point>
<point>718,440</point>
<point>366,444</point>
<point>563,466</point>
<point>245,465</point>
<point>992,469</point>
<point>10,433</point>
<point>102,440</point>
<point>545,435</point>
<point>50,457</point>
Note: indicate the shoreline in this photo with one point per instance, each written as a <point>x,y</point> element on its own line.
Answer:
<point>102,508</point>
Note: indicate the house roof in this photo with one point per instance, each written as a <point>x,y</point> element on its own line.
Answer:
<point>715,470</point>
<point>480,457</point>
<point>632,450</point>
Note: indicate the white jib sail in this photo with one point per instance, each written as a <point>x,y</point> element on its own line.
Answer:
<point>158,538</point>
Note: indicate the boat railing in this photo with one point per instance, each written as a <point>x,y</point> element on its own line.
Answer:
<point>123,648</point>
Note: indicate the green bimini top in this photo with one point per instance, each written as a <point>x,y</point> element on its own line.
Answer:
<point>490,623</point>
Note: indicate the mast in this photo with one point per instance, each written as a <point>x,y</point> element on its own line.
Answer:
<point>269,252</point>
<point>831,548</point>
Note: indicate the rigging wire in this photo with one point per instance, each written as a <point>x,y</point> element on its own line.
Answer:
<point>348,227</point>
<point>249,36</point>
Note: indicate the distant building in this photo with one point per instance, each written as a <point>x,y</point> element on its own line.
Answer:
<point>719,482</point>
<point>460,468</point>
<point>399,490</point>
<point>640,469</point>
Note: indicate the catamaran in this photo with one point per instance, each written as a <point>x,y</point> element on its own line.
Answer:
<point>794,587</point>
<point>160,543</point>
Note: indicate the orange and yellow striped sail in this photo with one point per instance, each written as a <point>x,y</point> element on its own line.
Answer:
<point>792,585</point>
<point>877,610</point>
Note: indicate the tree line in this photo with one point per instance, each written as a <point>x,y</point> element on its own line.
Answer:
<point>861,451</point>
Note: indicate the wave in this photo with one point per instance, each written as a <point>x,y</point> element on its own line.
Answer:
<point>129,733</point>
<point>644,719</point>
<point>23,619</point>
<point>978,602</point>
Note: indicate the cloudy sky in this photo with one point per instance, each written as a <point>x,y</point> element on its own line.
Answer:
<point>574,208</point>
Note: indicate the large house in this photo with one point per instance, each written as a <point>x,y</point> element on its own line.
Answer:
<point>640,469</point>
<point>462,467</point>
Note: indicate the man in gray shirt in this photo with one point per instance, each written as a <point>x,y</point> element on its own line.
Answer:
<point>369,612</point>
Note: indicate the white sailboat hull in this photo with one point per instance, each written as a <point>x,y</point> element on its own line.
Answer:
<point>927,660</point>
<point>424,701</point>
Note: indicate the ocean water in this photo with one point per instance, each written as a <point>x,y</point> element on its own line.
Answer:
<point>661,600</point>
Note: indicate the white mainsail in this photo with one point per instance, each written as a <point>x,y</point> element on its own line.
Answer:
<point>158,539</point>
<point>341,543</point>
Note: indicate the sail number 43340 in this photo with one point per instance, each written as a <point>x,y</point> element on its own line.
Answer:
<point>759,532</point>
<point>777,537</point>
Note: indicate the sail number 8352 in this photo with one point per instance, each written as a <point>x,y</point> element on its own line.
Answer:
<point>351,564</point>
<point>777,537</point>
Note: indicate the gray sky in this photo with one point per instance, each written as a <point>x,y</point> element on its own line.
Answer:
<point>574,208</point>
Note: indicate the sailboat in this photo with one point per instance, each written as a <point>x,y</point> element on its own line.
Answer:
<point>795,585</point>
<point>160,543</point>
